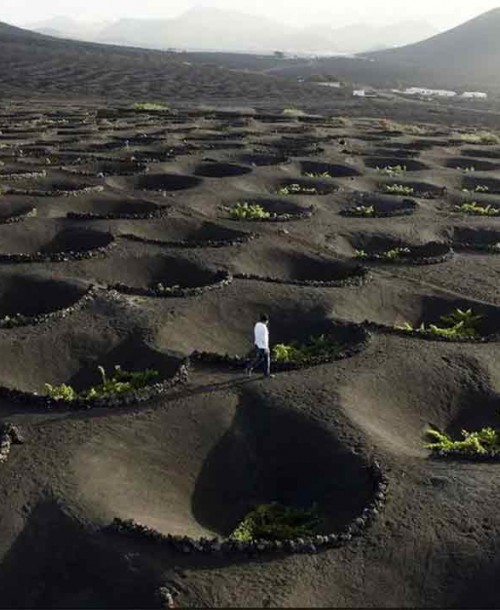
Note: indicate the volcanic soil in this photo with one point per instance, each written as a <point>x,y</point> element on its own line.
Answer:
<point>93,198</point>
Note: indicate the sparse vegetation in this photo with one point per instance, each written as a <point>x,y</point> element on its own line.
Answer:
<point>120,382</point>
<point>387,255</point>
<point>293,112</point>
<point>277,522</point>
<point>316,348</point>
<point>468,170</point>
<point>458,325</point>
<point>476,209</point>
<point>485,442</point>
<point>480,188</point>
<point>298,189</point>
<point>249,211</point>
<point>392,170</point>
<point>150,107</point>
<point>399,189</point>
<point>480,137</point>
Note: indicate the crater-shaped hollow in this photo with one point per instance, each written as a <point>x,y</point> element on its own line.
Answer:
<point>146,273</point>
<point>221,170</point>
<point>331,170</point>
<point>261,159</point>
<point>473,182</point>
<point>35,239</point>
<point>407,165</point>
<point>72,356</point>
<point>166,182</point>
<point>288,266</point>
<point>101,208</point>
<point>471,164</point>
<point>379,206</point>
<point>246,453</point>
<point>187,232</point>
<point>305,187</point>
<point>279,209</point>
<point>31,295</point>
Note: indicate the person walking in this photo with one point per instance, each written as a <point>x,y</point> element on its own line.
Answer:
<point>261,341</point>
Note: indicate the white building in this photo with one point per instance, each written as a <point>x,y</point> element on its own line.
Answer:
<point>430,92</point>
<point>359,93</point>
<point>477,95</point>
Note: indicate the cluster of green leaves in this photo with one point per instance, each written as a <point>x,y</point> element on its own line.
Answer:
<point>392,169</point>
<point>315,348</point>
<point>480,188</point>
<point>120,382</point>
<point>362,210</point>
<point>458,325</point>
<point>387,255</point>
<point>297,189</point>
<point>468,170</point>
<point>277,522</point>
<point>476,209</point>
<point>249,211</point>
<point>399,189</point>
<point>150,106</point>
<point>480,442</point>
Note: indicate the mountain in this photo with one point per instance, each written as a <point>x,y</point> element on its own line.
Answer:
<point>205,28</point>
<point>201,28</point>
<point>65,27</point>
<point>464,58</point>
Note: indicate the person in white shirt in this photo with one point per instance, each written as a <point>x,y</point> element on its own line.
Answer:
<point>261,340</point>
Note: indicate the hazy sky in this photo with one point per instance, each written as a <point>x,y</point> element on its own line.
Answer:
<point>444,13</point>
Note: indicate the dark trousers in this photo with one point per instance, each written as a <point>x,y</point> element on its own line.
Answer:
<point>262,356</point>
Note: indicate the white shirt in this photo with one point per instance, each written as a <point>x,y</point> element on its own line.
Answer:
<point>261,333</point>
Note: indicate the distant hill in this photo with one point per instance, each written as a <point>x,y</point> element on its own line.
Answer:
<point>469,52</point>
<point>37,65</point>
<point>466,57</point>
<point>210,29</point>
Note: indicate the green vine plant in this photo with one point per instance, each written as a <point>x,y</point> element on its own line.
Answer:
<point>458,325</point>
<point>467,170</point>
<point>366,211</point>
<point>118,383</point>
<point>277,522</point>
<point>392,169</point>
<point>387,255</point>
<point>315,348</point>
<point>475,209</point>
<point>399,189</point>
<point>478,443</point>
<point>297,189</point>
<point>318,175</point>
<point>150,107</point>
<point>249,211</point>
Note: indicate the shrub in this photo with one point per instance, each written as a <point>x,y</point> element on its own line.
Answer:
<point>480,442</point>
<point>457,325</point>
<point>120,382</point>
<point>475,209</point>
<point>249,211</point>
<point>316,348</point>
<point>398,189</point>
<point>277,522</point>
